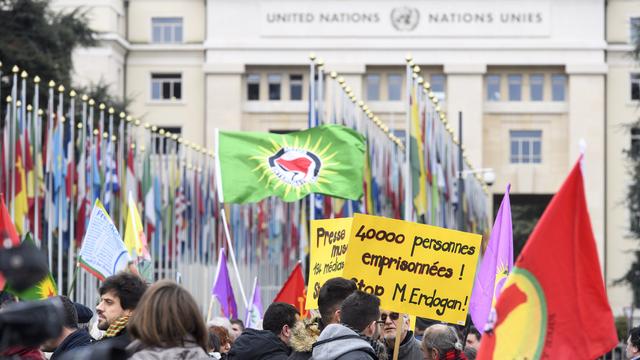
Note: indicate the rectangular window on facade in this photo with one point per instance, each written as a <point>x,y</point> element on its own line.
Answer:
<point>515,87</point>
<point>394,87</point>
<point>635,86</point>
<point>437,86</point>
<point>166,86</point>
<point>635,141</point>
<point>558,86</point>
<point>536,86</point>
<point>526,146</point>
<point>166,30</point>
<point>493,87</point>
<point>634,29</point>
<point>295,87</point>
<point>160,149</point>
<point>253,87</point>
<point>275,85</point>
<point>373,87</point>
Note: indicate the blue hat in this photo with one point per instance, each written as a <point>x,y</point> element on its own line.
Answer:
<point>84,313</point>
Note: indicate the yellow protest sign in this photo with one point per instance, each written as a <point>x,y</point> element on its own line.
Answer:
<point>327,250</point>
<point>413,268</point>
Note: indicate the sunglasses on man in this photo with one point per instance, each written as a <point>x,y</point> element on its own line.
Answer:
<point>392,315</point>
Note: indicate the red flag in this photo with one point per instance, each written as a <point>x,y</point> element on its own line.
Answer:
<point>556,287</point>
<point>7,232</point>
<point>292,291</point>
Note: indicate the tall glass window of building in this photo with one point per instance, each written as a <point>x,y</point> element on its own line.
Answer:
<point>558,87</point>
<point>635,86</point>
<point>295,86</point>
<point>437,86</point>
<point>515,87</point>
<point>526,146</point>
<point>536,87</point>
<point>253,86</point>
<point>373,87</point>
<point>394,87</point>
<point>493,87</point>
<point>635,141</point>
<point>275,86</point>
<point>166,30</point>
<point>166,86</point>
<point>634,29</point>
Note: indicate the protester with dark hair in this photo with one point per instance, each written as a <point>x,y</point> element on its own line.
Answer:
<point>330,297</point>
<point>409,346</point>
<point>352,338</point>
<point>214,346</point>
<point>633,344</point>
<point>167,325</point>
<point>441,341</point>
<point>18,352</point>
<point>225,339</point>
<point>84,315</point>
<point>272,343</point>
<point>71,337</point>
<point>470,352</point>
<point>237,327</point>
<point>119,296</point>
<point>473,338</point>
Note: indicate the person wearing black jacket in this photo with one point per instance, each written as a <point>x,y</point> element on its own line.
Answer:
<point>272,343</point>
<point>71,337</point>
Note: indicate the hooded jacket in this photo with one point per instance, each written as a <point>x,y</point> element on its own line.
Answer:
<point>304,335</point>
<point>76,339</point>
<point>258,345</point>
<point>338,342</point>
<point>409,348</point>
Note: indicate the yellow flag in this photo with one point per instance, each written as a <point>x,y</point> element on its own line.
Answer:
<point>134,237</point>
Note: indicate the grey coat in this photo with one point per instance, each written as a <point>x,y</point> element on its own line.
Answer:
<point>338,342</point>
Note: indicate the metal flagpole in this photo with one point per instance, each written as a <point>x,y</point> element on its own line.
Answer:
<point>101,163</point>
<point>60,193</point>
<point>37,123</point>
<point>12,141</point>
<point>408,208</point>
<point>122,172</point>
<point>49,175</point>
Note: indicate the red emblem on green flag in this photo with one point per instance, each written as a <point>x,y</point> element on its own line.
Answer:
<point>328,159</point>
<point>555,288</point>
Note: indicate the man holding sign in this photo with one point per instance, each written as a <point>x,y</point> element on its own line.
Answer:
<point>389,328</point>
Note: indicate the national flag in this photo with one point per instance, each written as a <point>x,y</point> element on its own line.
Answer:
<point>292,291</point>
<point>21,204</point>
<point>103,252</point>
<point>7,232</point>
<point>328,160</point>
<point>45,288</point>
<point>255,309</point>
<point>131,181</point>
<point>148,192</point>
<point>416,151</point>
<point>134,238</point>
<point>222,289</point>
<point>555,287</point>
<point>495,266</point>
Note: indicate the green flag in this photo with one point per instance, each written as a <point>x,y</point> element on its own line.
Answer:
<point>43,289</point>
<point>328,159</point>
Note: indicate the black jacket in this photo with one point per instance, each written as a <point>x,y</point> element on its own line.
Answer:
<point>120,341</point>
<point>76,339</point>
<point>258,345</point>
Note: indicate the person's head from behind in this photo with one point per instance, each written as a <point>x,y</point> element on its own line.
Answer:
<point>473,338</point>
<point>440,340</point>
<point>360,311</point>
<point>633,342</point>
<point>223,336</point>
<point>168,317</point>
<point>69,324</point>
<point>119,296</point>
<point>331,295</point>
<point>280,318</point>
<point>237,327</point>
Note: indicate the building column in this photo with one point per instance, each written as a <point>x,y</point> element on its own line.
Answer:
<point>224,98</point>
<point>465,93</point>
<point>586,98</point>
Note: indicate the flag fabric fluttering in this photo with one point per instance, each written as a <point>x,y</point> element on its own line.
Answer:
<point>45,288</point>
<point>328,160</point>
<point>222,289</point>
<point>555,287</point>
<point>255,309</point>
<point>103,252</point>
<point>9,237</point>
<point>495,266</point>
<point>292,291</point>
<point>134,237</point>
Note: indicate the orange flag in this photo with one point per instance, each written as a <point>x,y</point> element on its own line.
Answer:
<point>292,291</point>
<point>8,235</point>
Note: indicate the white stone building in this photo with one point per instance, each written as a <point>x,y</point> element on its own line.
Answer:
<point>532,78</point>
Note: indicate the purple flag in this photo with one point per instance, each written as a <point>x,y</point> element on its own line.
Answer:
<point>254,311</point>
<point>222,289</point>
<point>495,266</point>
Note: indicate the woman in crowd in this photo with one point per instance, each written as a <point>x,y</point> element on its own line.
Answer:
<point>167,325</point>
<point>225,339</point>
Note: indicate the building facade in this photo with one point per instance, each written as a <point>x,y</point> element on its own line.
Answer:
<point>537,82</point>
